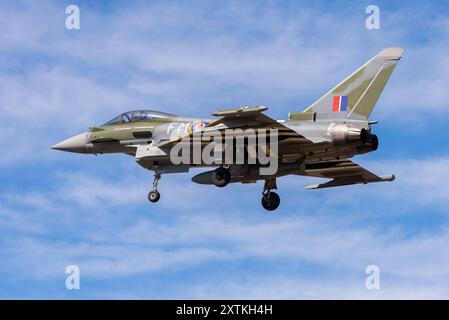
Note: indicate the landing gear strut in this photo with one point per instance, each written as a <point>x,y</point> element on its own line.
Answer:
<point>221,177</point>
<point>154,195</point>
<point>270,199</point>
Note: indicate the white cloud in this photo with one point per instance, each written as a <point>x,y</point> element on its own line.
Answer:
<point>351,286</point>
<point>187,242</point>
<point>136,242</point>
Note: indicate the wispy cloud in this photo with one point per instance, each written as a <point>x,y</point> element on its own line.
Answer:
<point>119,238</point>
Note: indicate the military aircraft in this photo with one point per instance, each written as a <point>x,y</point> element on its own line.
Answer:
<point>316,142</point>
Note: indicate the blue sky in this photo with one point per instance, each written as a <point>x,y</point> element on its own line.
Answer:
<point>191,58</point>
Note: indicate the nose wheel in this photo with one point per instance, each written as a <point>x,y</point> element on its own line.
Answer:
<point>270,199</point>
<point>154,195</point>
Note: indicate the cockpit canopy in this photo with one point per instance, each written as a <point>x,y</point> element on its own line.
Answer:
<point>139,115</point>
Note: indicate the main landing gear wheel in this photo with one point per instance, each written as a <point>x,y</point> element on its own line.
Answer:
<point>270,201</point>
<point>154,195</point>
<point>221,177</point>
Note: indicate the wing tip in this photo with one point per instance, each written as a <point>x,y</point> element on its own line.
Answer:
<point>388,178</point>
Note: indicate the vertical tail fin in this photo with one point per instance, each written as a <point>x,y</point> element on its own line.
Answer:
<point>356,96</point>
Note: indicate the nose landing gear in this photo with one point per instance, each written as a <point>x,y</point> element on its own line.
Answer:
<point>270,199</point>
<point>154,195</point>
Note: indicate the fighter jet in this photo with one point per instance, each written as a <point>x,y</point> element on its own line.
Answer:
<point>317,142</point>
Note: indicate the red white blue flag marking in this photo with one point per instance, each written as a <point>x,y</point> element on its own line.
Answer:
<point>198,126</point>
<point>340,103</point>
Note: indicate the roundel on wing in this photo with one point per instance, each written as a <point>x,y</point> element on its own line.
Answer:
<point>198,126</point>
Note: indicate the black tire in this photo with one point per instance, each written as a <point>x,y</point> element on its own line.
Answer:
<point>271,201</point>
<point>154,196</point>
<point>221,177</point>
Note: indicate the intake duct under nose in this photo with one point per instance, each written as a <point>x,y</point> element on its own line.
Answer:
<point>345,133</point>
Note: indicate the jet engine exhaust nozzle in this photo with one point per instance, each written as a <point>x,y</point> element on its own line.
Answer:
<point>344,133</point>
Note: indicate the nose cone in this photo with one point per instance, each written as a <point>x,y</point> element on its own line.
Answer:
<point>74,144</point>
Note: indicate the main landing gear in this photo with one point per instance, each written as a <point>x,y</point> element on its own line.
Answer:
<point>154,195</point>
<point>221,177</point>
<point>270,199</point>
